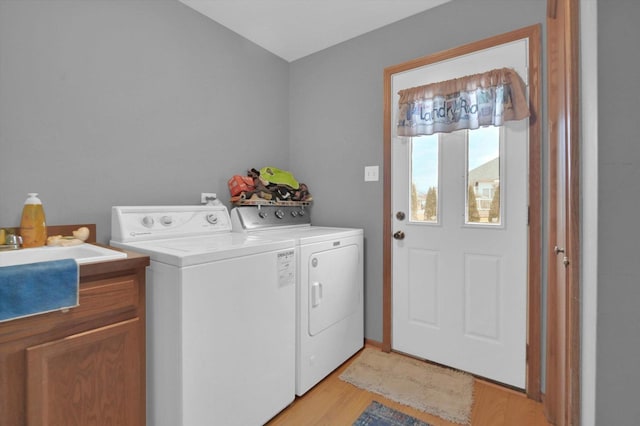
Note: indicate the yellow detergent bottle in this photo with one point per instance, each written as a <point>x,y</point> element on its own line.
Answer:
<point>33,227</point>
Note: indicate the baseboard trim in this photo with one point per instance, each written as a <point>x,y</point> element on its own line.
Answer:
<point>373,343</point>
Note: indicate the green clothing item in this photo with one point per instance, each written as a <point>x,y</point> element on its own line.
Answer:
<point>279,177</point>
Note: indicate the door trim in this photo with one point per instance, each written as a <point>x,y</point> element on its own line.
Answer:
<point>562,393</point>
<point>532,33</point>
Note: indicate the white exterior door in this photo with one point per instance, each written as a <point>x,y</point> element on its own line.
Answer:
<point>460,223</point>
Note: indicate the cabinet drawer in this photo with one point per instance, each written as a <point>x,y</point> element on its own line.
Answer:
<point>107,295</point>
<point>99,298</point>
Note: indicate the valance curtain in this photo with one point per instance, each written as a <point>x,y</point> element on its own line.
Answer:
<point>488,98</point>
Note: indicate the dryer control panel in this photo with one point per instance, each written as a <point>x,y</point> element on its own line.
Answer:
<point>143,223</point>
<point>247,218</point>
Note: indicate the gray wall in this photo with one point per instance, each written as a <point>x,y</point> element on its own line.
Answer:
<point>108,103</point>
<point>144,102</point>
<point>618,344</point>
<point>131,102</point>
<point>336,115</point>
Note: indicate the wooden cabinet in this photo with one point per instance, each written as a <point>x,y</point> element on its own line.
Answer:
<point>85,366</point>
<point>87,378</point>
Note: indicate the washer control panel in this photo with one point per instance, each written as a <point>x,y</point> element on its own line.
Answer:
<point>130,223</point>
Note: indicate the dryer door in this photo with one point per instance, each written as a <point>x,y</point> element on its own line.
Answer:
<point>333,286</point>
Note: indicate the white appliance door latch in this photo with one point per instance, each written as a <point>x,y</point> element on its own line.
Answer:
<point>316,294</point>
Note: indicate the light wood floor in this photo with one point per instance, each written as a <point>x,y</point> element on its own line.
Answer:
<point>336,403</point>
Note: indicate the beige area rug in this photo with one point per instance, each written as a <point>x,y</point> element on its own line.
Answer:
<point>435,390</point>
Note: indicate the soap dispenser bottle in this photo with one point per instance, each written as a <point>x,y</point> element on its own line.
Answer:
<point>33,227</point>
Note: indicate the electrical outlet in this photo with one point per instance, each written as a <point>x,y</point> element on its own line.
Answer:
<point>371,174</point>
<point>205,197</point>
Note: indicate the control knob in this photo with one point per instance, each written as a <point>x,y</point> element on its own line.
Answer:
<point>212,218</point>
<point>262,214</point>
<point>147,221</point>
<point>279,214</point>
<point>166,220</point>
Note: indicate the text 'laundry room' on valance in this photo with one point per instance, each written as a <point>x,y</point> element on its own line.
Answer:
<point>469,102</point>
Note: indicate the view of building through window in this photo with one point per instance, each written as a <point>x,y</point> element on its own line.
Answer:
<point>483,175</point>
<point>482,197</point>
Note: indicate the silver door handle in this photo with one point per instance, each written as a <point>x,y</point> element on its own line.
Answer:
<point>557,250</point>
<point>316,294</point>
<point>399,235</point>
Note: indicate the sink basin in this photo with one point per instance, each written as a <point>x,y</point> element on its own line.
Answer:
<point>83,253</point>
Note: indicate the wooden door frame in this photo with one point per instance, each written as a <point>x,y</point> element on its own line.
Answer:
<point>532,33</point>
<point>562,395</point>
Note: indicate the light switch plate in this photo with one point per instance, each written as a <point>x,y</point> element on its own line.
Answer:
<point>371,173</point>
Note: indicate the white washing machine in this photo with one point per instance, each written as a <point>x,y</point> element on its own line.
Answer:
<point>329,309</point>
<point>220,316</point>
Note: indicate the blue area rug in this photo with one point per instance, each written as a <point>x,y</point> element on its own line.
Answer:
<point>377,414</point>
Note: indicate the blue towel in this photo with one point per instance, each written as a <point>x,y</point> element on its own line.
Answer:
<point>36,288</point>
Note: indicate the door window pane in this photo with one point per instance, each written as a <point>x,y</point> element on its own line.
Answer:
<point>483,176</point>
<point>424,179</point>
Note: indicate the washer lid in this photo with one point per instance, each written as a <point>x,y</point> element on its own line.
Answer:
<point>189,251</point>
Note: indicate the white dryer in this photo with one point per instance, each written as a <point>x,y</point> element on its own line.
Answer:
<point>329,300</point>
<point>220,316</point>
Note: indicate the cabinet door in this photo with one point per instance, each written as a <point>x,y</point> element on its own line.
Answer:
<point>91,378</point>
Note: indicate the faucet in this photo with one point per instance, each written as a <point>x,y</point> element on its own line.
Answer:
<point>11,242</point>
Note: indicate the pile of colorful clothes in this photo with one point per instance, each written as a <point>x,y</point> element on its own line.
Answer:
<point>270,185</point>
